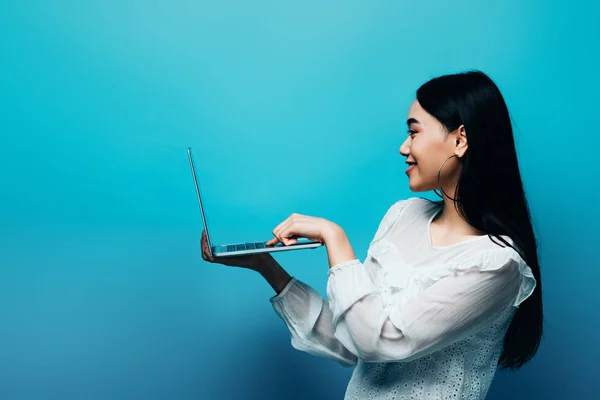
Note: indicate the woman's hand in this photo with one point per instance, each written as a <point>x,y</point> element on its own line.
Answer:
<point>253,262</point>
<point>297,225</point>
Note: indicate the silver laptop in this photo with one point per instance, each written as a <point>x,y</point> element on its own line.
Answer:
<point>240,249</point>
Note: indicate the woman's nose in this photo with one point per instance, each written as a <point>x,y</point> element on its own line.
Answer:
<point>405,148</point>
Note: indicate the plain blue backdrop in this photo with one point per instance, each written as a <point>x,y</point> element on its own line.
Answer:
<point>289,107</point>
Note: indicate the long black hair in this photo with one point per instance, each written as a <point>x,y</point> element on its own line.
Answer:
<point>489,194</point>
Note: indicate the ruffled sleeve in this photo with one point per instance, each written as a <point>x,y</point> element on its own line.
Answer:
<point>309,320</point>
<point>493,260</point>
<point>309,317</point>
<point>460,299</point>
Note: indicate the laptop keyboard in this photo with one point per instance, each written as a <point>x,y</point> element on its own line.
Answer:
<point>246,246</point>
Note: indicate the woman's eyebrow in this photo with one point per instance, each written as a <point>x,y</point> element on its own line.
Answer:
<point>412,121</point>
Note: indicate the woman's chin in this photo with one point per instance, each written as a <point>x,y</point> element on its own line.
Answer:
<point>414,186</point>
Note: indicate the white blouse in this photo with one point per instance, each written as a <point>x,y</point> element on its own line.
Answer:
<point>418,321</point>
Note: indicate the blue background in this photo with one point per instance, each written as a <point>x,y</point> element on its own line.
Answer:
<point>289,107</point>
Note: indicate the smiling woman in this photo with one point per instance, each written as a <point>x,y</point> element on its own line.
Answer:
<point>450,290</point>
<point>429,142</point>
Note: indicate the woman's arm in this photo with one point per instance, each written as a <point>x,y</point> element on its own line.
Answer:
<point>273,273</point>
<point>305,313</point>
<point>456,305</point>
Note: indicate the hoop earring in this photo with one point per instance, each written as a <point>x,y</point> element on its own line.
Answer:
<point>440,185</point>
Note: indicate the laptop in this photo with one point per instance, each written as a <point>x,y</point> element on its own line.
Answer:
<point>242,249</point>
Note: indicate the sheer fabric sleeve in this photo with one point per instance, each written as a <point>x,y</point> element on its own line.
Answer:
<point>309,317</point>
<point>460,301</point>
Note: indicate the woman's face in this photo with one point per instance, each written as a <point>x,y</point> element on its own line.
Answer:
<point>428,146</point>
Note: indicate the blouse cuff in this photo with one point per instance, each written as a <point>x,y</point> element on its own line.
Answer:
<point>298,305</point>
<point>279,296</point>
<point>348,283</point>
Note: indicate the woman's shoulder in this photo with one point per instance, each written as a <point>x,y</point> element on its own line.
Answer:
<point>412,205</point>
<point>415,203</point>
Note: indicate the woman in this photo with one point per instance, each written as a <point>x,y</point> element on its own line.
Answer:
<point>450,290</point>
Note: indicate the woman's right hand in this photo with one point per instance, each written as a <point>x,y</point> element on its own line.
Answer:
<point>253,262</point>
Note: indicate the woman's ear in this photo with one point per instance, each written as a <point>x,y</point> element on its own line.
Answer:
<point>461,141</point>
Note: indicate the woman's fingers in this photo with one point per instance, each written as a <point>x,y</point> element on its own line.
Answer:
<point>205,250</point>
<point>289,230</point>
<point>279,233</point>
<point>276,231</point>
<point>283,223</point>
<point>272,242</point>
<point>292,239</point>
<point>289,233</point>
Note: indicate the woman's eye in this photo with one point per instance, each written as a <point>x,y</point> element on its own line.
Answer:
<point>411,132</point>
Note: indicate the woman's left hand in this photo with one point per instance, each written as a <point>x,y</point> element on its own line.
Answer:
<point>297,225</point>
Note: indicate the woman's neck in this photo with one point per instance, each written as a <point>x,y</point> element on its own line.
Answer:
<point>451,223</point>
